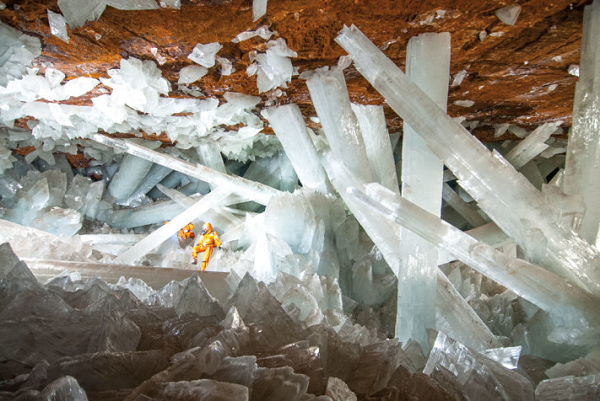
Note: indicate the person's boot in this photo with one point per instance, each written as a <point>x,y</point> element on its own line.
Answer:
<point>195,262</point>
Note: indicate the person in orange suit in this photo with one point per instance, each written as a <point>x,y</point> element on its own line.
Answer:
<point>186,233</point>
<point>209,240</point>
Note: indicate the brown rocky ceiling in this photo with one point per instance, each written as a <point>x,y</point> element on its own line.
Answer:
<point>510,77</point>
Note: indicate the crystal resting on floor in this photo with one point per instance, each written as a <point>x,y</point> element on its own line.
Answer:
<point>353,265</point>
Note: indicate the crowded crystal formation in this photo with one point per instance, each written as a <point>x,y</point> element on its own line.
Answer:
<point>355,263</point>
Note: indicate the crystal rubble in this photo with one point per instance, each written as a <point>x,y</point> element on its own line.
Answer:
<point>428,65</point>
<point>583,147</point>
<point>503,194</point>
<point>288,124</point>
<point>537,285</point>
<point>479,376</point>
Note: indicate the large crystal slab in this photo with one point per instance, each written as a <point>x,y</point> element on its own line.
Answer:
<point>583,149</point>
<point>537,285</point>
<point>386,237</point>
<point>154,213</point>
<point>489,233</point>
<point>155,175</point>
<point>501,192</point>
<point>330,97</point>
<point>377,144</point>
<point>132,171</point>
<point>288,124</point>
<point>477,376</point>
<point>246,189</point>
<point>428,66</point>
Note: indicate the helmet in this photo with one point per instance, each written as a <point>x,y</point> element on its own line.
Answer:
<point>207,227</point>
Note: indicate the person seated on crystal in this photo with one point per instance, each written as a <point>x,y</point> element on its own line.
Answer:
<point>209,240</point>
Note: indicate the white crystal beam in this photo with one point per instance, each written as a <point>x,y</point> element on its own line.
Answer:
<point>504,194</point>
<point>288,124</point>
<point>531,146</point>
<point>535,284</point>
<point>583,149</point>
<point>330,97</point>
<point>386,236</point>
<point>159,236</point>
<point>244,188</point>
<point>377,143</point>
<point>463,208</point>
<point>428,66</point>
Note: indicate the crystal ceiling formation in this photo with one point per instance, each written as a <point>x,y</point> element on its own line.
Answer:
<point>373,246</point>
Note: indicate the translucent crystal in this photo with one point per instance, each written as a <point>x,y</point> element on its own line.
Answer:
<point>569,388</point>
<point>259,8</point>
<point>58,26</point>
<point>132,4</point>
<point>18,51</point>
<point>77,13</point>
<point>516,213</point>
<point>531,146</point>
<point>509,14</point>
<point>195,298</point>
<point>275,68</point>
<point>476,375</point>
<point>288,124</point>
<point>583,150</point>
<point>191,74</point>
<point>205,54</point>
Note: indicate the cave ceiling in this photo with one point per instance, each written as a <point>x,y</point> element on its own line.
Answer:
<point>516,74</point>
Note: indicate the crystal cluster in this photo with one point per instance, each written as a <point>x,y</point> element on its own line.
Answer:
<point>352,266</point>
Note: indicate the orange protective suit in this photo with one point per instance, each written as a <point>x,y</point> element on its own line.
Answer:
<point>209,240</point>
<point>186,232</point>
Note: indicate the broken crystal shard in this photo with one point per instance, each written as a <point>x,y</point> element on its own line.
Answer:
<point>205,54</point>
<point>539,286</point>
<point>475,374</point>
<point>59,221</point>
<point>507,357</point>
<point>289,126</point>
<point>78,12</point>
<point>58,26</point>
<point>428,65</point>
<point>464,103</point>
<point>275,68</point>
<point>191,74</point>
<point>583,149</point>
<point>459,77</point>
<point>259,8</point>
<point>509,14</point>
<point>501,192</point>
<point>226,65</point>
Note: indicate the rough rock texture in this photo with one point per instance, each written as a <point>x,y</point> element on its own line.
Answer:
<point>515,74</point>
